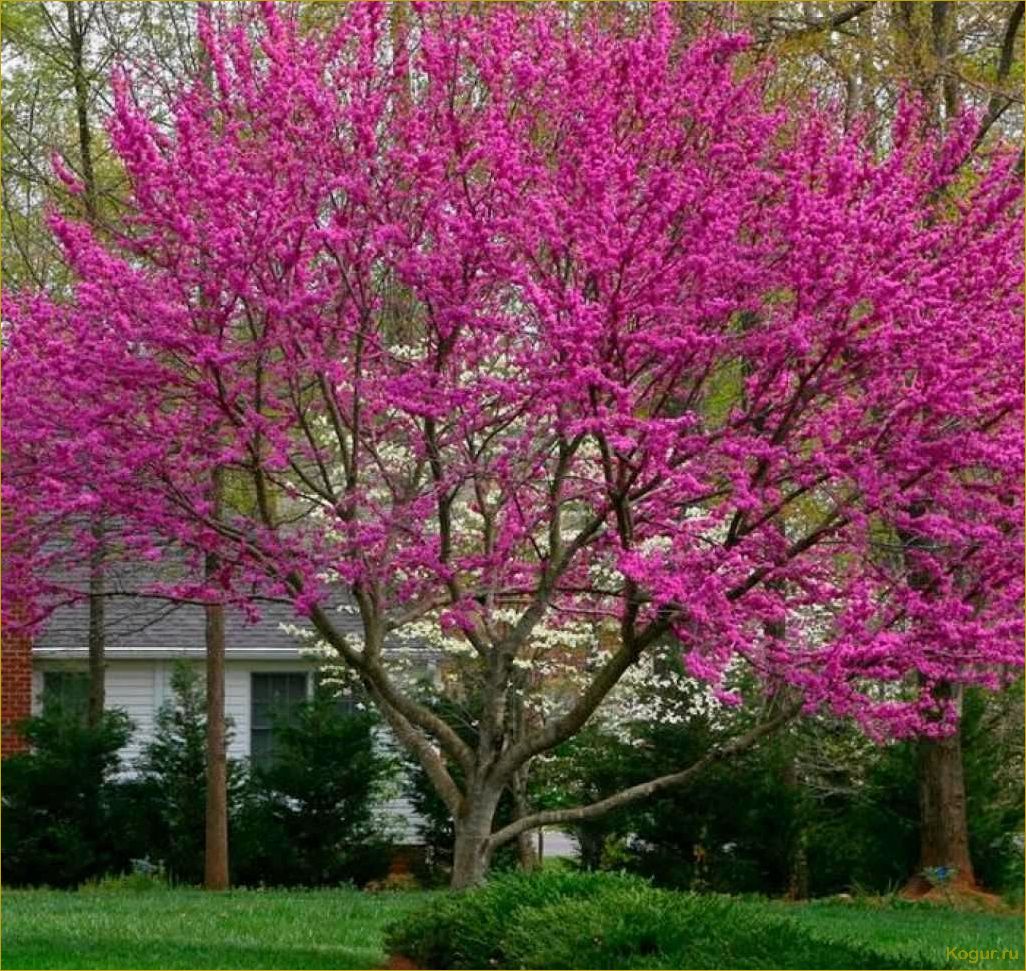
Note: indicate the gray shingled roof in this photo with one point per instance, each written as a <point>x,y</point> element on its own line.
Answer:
<point>155,625</point>
<point>146,623</point>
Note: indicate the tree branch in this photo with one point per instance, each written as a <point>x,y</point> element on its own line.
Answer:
<point>999,102</point>
<point>645,789</point>
<point>373,674</point>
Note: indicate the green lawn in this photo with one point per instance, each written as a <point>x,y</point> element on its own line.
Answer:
<point>190,929</point>
<point>342,929</point>
<point>901,927</point>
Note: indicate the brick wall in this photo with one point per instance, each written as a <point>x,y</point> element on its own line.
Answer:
<point>15,687</point>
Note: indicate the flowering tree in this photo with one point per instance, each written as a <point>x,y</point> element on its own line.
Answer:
<point>497,325</point>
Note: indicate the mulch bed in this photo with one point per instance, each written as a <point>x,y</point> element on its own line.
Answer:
<point>400,962</point>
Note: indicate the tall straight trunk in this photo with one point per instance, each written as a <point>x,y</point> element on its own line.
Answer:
<point>97,582</point>
<point>80,83</point>
<point>215,863</point>
<point>97,645</point>
<point>941,16</point>
<point>943,820</point>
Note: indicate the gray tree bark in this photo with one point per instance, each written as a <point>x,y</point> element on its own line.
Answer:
<point>77,26</point>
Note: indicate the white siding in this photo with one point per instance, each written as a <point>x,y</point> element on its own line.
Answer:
<point>236,707</point>
<point>130,687</point>
<point>237,683</point>
<point>398,812</point>
<point>37,690</point>
<point>141,687</point>
<point>400,820</point>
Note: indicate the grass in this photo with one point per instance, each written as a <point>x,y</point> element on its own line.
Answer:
<point>902,927</point>
<point>343,928</point>
<point>191,929</point>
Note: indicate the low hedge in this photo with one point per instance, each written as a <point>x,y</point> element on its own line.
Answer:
<point>468,929</point>
<point>661,929</point>
<point>599,920</point>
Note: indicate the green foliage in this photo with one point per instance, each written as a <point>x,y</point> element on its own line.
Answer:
<point>865,833</point>
<point>467,929</point>
<point>560,919</point>
<point>814,806</point>
<point>166,803</point>
<point>648,928</point>
<point>306,819</point>
<point>1013,876</point>
<point>138,881</point>
<point>992,754</point>
<point>702,837</point>
<point>59,812</point>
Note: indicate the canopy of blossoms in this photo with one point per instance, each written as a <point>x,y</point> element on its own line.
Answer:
<point>494,323</point>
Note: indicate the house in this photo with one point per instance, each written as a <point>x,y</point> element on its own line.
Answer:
<point>264,666</point>
<point>266,669</point>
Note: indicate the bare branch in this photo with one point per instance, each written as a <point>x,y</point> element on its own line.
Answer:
<point>999,102</point>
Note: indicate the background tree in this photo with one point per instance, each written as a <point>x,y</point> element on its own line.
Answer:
<point>172,781</point>
<point>307,817</point>
<point>61,817</point>
<point>74,46</point>
<point>61,36</point>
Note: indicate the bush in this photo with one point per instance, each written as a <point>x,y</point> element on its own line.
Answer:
<point>165,806</point>
<point>59,800</point>
<point>858,827</point>
<point>560,919</point>
<point>467,929</point>
<point>992,738</point>
<point>138,881</point>
<point>307,818</point>
<point>822,811</point>
<point>660,929</point>
<point>702,837</point>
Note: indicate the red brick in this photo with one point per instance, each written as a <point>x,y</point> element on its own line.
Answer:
<point>15,683</point>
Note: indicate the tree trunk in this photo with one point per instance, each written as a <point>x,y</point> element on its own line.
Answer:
<point>943,823</point>
<point>97,645</point>
<point>944,830</point>
<point>472,853</point>
<point>97,591</point>
<point>470,859</point>
<point>215,864</point>
<point>526,849</point>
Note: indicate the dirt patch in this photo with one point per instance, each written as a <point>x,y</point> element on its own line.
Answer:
<point>960,896</point>
<point>400,962</point>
